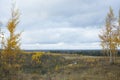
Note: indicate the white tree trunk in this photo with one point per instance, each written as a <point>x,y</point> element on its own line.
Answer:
<point>111,58</point>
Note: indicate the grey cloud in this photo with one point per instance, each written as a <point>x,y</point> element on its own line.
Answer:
<point>76,13</point>
<point>65,35</point>
<point>60,23</point>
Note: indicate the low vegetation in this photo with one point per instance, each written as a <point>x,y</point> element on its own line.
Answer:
<point>69,67</point>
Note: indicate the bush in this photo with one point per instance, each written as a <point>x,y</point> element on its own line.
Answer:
<point>41,62</point>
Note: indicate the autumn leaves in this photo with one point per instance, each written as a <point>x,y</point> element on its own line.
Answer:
<point>110,35</point>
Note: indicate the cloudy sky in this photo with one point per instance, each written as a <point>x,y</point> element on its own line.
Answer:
<point>59,24</point>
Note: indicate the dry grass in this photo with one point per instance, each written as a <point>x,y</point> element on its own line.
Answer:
<point>75,67</point>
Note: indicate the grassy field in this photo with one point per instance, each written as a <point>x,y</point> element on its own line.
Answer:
<point>69,67</point>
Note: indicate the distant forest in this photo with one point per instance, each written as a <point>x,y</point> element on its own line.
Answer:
<point>80,52</point>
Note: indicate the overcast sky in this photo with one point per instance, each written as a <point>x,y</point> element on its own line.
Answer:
<point>59,24</point>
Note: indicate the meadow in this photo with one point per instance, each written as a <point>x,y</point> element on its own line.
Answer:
<point>57,66</point>
<point>66,27</point>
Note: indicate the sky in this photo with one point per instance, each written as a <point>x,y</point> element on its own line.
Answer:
<point>59,24</point>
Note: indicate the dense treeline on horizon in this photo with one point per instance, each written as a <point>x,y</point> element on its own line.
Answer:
<point>80,52</point>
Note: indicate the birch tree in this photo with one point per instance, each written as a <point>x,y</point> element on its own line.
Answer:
<point>118,37</point>
<point>108,36</point>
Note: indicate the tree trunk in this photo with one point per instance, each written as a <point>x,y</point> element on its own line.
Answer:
<point>111,58</point>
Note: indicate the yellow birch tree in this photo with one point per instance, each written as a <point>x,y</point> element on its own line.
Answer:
<point>108,36</point>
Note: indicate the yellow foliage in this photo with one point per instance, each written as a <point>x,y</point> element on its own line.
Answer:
<point>12,45</point>
<point>56,67</point>
<point>110,36</point>
<point>91,60</point>
<point>36,56</point>
<point>9,59</point>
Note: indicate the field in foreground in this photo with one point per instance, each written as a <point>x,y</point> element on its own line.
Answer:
<point>69,67</point>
